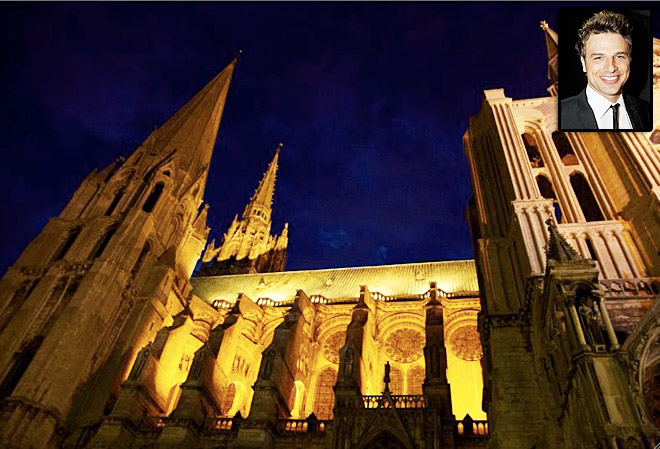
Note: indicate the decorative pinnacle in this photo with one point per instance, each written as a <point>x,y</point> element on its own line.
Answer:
<point>238,54</point>
<point>280,146</point>
<point>558,248</point>
<point>544,25</point>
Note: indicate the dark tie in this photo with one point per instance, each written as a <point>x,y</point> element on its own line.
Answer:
<point>615,116</point>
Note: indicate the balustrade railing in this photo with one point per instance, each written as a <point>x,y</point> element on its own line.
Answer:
<point>400,401</point>
<point>220,424</point>
<point>632,288</point>
<point>309,425</point>
<point>470,427</point>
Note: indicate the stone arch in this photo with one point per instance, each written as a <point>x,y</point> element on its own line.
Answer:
<point>382,437</point>
<point>416,376</point>
<point>396,380</point>
<point>564,148</point>
<point>532,148</point>
<point>585,196</point>
<point>325,396</point>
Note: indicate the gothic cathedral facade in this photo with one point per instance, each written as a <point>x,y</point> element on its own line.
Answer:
<point>549,338</point>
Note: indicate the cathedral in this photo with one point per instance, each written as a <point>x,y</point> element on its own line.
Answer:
<point>122,327</point>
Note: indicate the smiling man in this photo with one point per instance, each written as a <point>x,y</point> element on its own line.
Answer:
<point>604,46</point>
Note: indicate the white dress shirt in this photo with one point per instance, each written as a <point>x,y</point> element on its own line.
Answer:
<point>603,113</point>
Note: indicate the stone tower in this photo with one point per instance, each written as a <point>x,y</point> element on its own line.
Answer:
<point>552,321</point>
<point>102,277</point>
<point>248,246</point>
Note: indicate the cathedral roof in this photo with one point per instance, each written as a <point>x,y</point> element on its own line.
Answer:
<point>405,280</point>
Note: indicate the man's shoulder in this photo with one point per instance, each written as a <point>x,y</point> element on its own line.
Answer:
<point>640,109</point>
<point>637,103</point>
<point>570,100</point>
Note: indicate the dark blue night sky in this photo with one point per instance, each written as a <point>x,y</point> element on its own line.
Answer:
<point>370,100</point>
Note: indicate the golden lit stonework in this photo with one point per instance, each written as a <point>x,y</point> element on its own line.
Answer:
<point>464,343</point>
<point>332,345</point>
<point>404,345</point>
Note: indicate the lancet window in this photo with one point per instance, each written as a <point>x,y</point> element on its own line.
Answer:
<point>155,194</point>
<point>68,243</point>
<point>325,395</point>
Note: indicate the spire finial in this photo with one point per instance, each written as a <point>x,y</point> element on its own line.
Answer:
<point>559,249</point>
<point>280,146</point>
<point>237,55</point>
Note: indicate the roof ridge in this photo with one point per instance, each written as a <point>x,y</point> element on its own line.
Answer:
<point>279,273</point>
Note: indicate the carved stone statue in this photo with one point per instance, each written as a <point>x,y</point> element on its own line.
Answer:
<point>588,312</point>
<point>386,379</point>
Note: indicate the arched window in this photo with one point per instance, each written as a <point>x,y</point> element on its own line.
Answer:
<point>228,399</point>
<point>532,150</point>
<point>564,148</point>
<point>140,259</point>
<point>546,190</point>
<point>151,201</point>
<point>545,187</point>
<point>325,395</point>
<point>73,235</point>
<point>115,202</point>
<point>415,380</point>
<point>103,243</point>
<point>22,360</point>
<point>396,381</point>
<point>586,198</point>
<point>16,301</point>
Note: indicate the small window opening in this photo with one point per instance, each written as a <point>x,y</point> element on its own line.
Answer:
<point>73,235</point>
<point>140,259</point>
<point>151,201</point>
<point>115,202</point>
<point>532,150</point>
<point>564,148</point>
<point>22,360</point>
<point>103,243</point>
<point>586,198</point>
<point>546,190</point>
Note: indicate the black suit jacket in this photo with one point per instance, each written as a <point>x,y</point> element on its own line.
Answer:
<point>575,113</point>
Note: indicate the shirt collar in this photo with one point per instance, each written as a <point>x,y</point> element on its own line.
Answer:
<point>599,104</point>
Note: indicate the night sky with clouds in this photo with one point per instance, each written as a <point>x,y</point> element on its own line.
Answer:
<point>370,100</point>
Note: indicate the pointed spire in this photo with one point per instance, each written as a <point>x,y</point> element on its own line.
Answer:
<point>263,196</point>
<point>552,45</point>
<point>559,249</point>
<point>192,131</point>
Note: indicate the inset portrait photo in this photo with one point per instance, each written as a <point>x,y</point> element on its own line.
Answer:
<point>605,63</point>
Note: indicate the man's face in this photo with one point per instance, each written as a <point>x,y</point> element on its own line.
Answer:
<point>606,62</point>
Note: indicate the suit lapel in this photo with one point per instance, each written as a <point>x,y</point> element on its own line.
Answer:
<point>585,114</point>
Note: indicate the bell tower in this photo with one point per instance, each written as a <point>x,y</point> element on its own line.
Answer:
<point>600,193</point>
<point>104,276</point>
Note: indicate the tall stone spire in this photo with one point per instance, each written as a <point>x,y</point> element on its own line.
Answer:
<point>262,199</point>
<point>192,131</point>
<point>248,246</point>
<point>552,45</point>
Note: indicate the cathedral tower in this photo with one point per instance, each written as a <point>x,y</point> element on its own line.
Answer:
<point>600,193</point>
<point>102,277</point>
<point>248,246</point>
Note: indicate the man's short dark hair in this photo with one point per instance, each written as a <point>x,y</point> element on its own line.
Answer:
<point>604,22</point>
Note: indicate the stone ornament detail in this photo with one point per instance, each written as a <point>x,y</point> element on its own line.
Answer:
<point>404,345</point>
<point>332,345</point>
<point>464,343</point>
<point>462,335</point>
